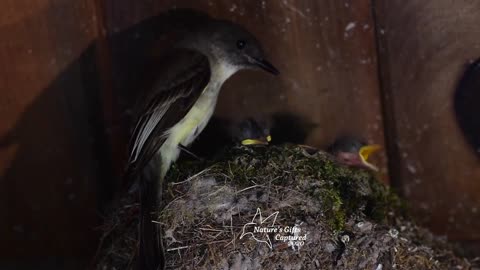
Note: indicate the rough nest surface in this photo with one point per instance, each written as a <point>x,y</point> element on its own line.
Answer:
<point>343,218</point>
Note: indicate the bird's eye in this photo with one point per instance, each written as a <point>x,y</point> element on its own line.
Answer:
<point>241,44</point>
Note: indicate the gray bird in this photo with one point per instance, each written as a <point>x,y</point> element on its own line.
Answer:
<point>176,108</point>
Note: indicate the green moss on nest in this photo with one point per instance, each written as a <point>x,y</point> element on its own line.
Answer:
<point>337,208</point>
<point>340,191</point>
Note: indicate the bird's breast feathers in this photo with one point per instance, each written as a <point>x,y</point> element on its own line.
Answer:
<point>185,131</point>
<point>194,122</point>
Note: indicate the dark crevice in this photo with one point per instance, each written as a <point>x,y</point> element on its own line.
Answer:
<point>387,104</point>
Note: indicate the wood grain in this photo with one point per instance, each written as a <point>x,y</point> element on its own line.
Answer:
<point>325,51</point>
<point>48,165</point>
<point>424,47</point>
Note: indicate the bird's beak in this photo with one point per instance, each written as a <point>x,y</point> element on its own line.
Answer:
<point>265,65</point>
<point>260,141</point>
<point>365,152</point>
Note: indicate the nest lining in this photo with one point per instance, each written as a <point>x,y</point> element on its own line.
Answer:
<point>348,220</point>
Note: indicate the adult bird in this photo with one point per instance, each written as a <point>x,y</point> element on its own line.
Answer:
<point>353,152</point>
<point>176,106</point>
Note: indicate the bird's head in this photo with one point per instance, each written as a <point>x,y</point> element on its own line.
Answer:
<point>226,42</point>
<point>252,132</point>
<point>353,152</point>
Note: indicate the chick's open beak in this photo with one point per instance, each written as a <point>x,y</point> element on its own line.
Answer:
<point>365,152</point>
<point>260,141</point>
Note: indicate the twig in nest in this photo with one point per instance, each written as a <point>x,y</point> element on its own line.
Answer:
<point>232,241</point>
<point>178,248</point>
<point>247,188</point>
<point>211,230</point>
<point>185,247</point>
<point>191,177</point>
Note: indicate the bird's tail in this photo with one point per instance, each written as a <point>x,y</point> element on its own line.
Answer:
<point>151,253</point>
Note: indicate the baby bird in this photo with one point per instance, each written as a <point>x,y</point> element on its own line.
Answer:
<point>251,132</point>
<point>353,152</point>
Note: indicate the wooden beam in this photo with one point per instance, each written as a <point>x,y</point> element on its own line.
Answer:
<point>424,48</point>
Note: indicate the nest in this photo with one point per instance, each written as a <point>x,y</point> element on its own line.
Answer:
<point>277,208</point>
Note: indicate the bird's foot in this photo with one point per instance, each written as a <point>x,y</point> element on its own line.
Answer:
<point>309,149</point>
<point>183,148</point>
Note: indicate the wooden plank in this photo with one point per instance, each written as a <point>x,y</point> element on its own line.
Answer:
<point>424,47</point>
<point>48,166</point>
<point>324,49</point>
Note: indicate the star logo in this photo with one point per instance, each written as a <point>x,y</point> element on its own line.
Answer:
<point>259,227</point>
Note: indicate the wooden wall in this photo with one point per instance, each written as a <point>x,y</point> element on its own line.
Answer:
<point>424,48</point>
<point>62,86</point>
<point>325,51</point>
<point>48,112</point>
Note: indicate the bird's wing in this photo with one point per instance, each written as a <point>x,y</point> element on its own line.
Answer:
<point>166,101</point>
<point>173,94</point>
